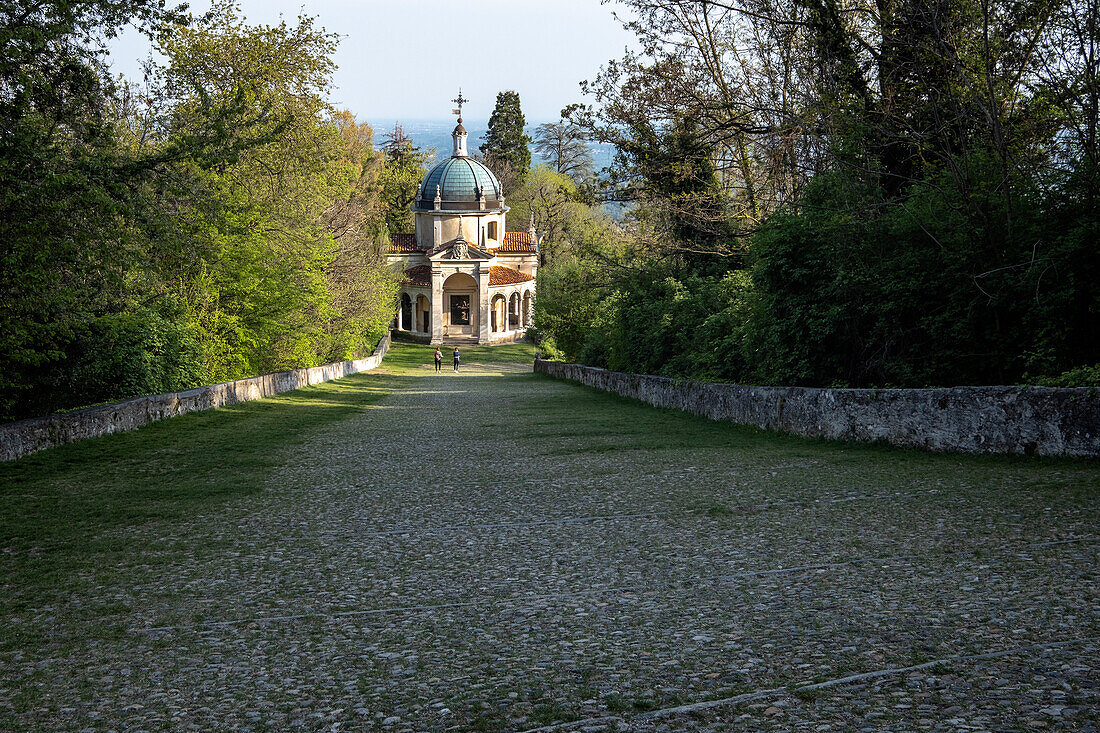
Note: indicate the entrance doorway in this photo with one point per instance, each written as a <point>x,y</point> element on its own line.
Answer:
<point>460,306</point>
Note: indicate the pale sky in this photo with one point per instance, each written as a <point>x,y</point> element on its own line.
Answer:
<point>406,59</point>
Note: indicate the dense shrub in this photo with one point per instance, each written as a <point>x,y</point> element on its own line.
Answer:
<point>952,284</point>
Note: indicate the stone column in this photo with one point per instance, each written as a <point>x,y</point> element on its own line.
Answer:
<point>437,305</point>
<point>483,302</point>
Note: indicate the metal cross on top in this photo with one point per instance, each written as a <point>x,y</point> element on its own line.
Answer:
<point>459,100</point>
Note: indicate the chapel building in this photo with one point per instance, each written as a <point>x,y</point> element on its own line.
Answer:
<point>466,280</point>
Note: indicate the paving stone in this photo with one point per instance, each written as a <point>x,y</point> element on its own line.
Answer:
<point>466,554</point>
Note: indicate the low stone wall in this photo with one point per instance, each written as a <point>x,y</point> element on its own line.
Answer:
<point>20,438</point>
<point>1030,420</point>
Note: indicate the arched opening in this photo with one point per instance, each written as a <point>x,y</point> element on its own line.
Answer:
<point>406,313</point>
<point>492,230</point>
<point>527,314</point>
<point>460,305</point>
<point>513,312</point>
<point>496,314</point>
<point>423,314</point>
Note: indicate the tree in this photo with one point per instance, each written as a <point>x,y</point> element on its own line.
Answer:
<point>564,146</point>
<point>506,143</point>
<point>360,282</point>
<point>65,186</point>
<point>402,172</point>
<point>260,89</point>
<point>913,183</point>
<point>287,233</point>
<point>740,73</point>
<point>219,223</point>
<point>565,223</point>
<point>678,193</point>
<point>550,200</point>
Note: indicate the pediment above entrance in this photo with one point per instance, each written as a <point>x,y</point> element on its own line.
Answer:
<point>458,249</point>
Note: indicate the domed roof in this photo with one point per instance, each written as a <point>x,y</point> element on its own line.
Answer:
<point>459,179</point>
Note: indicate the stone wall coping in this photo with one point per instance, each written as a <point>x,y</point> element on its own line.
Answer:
<point>1002,419</point>
<point>24,437</point>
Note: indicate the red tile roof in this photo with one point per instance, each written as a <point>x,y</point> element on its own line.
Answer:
<point>419,276</point>
<point>403,244</point>
<point>506,276</point>
<point>517,242</point>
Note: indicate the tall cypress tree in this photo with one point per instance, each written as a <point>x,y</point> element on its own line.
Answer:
<point>505,141</point>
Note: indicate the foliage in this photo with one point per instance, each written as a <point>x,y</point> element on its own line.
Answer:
<point>65,184</point>
<point>361,286</point>
<point>219,222</point>
<point>645,319</point>
<point>942,290</point>
<point>899,193</point>
<point>1085,376</point>
<point>136,353</point>
<point>547,199</point>
<point>506,142</point>
<point>402,171</point>
<point>561,217</point>
<point>571,295</point>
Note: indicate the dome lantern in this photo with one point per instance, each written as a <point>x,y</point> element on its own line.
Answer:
<point>459,136</point>
<point>460,183</point>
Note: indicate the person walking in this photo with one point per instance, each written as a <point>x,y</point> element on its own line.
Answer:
<point>438,359</point>
<point>457,356</point>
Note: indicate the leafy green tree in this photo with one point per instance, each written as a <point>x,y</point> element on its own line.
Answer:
<point>914,182</point>
<point>573,296</point>
<point>402,171</point>
<point>220,222</point>
<point>506,143</point>
<point>65,188</point>
<point>362,288</point>
<point>678,190</point>
<point>261,289</point>
<point>563,220</point>
<point>549,199</point>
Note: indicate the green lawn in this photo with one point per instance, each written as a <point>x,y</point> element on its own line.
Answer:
<point>411,356</point>
<point>56,505</point>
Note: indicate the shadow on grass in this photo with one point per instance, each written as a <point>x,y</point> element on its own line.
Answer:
<point>59,508</point>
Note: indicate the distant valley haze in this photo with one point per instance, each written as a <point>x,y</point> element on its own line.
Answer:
<point>436,133</point>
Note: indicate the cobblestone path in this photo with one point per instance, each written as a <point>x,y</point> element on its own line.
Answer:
<point>495,550</point>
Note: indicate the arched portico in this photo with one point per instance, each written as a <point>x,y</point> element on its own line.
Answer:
<point>513,312</point>
<point>496,314</point>
<point>405,319</point>
<point>527,308</point>
<point>461,316</point>
<point>423,314</point>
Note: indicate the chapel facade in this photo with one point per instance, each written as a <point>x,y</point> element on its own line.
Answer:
<point>466,279</point>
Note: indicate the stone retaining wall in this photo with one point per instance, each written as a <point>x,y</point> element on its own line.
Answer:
<point>27,436</point>
<point>1031,420</point>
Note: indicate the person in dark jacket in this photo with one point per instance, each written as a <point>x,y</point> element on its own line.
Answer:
<point>457,356</point>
